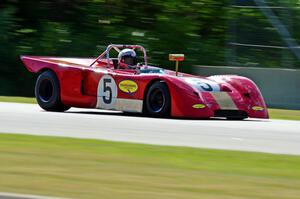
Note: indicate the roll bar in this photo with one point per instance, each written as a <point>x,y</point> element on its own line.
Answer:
<point>117,48</point>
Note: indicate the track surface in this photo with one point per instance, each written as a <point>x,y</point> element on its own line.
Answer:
<point>272,136</point>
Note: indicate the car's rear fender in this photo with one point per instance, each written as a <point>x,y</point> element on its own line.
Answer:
<point>70,80</point>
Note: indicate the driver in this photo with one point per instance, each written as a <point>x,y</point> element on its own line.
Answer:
<point>127,59</point>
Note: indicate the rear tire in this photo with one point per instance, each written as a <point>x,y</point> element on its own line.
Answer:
<point>157,102</point>
<point>47,92</point>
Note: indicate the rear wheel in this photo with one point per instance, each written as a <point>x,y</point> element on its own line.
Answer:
<point>157,101</point>
<point>47,92</point>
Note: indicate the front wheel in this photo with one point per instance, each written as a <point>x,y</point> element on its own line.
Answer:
<point>157,101</point>
<point>47,92</point>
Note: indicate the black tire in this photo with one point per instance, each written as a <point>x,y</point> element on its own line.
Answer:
<point>47,92</point>
<point>157,100</point>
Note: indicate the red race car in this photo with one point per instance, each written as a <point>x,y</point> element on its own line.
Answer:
<point>127,83</point>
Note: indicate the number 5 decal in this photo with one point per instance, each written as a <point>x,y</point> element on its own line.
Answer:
<point>107,88</point>
<point>206,87</point>
<point>107,92</point>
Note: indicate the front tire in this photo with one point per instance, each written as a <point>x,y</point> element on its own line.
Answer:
<point>157,101</point>
<point>47,92</point>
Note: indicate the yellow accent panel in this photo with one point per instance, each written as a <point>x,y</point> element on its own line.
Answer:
<point>257,108</point>
<point>199,106</point>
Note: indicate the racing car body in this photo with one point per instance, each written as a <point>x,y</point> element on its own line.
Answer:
<point>99,83</point>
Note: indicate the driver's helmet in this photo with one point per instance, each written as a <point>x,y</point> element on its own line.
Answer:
<point>127,59</point>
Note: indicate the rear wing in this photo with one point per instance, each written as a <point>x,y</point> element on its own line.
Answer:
<point>37,63</point>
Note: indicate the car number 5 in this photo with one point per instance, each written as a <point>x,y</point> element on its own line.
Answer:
<point>107,92</point>
<point>107,88</point>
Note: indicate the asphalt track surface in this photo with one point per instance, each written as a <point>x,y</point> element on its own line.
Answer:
<point>271,136</point>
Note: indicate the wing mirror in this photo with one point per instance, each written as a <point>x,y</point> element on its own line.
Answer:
<point>177,58</point>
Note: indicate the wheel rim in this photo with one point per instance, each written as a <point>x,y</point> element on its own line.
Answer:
<point>45,90</point>
<point>157,100</point>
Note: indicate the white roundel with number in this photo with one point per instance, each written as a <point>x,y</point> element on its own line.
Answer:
<point>107,92</point>
<point>203,85</point>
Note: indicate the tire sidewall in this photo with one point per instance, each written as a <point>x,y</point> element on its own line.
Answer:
<point>165,111</point>
<point>54,102</point>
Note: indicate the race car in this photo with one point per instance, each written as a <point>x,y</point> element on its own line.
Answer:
<point>126,82</point>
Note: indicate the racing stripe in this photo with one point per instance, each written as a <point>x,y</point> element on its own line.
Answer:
<point>129,105</point>
<point>224,100</point>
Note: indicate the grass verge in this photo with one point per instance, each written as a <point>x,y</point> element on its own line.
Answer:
<point>29,100</point>
<point>284,114</point>
<point>79,168</point>
<point>274,113</point>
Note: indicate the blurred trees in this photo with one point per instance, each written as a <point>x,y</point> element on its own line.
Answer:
<point>197,28</point>
<point>84,28</point>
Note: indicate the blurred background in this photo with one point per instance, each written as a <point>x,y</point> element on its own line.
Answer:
<point>246,34</point>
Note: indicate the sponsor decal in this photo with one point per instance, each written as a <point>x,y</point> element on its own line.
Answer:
<point>128,86</point>
<point>198,106</point>
<point>257,108</point>
<point>108,92</point>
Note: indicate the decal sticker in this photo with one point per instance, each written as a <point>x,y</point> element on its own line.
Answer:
<point>198,106</point>
<point>128,86</point>
<point>107,92</point>
<point>203,85</point>
<point>257,108</point>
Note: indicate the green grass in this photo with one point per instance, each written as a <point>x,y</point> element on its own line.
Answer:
<point>274,113</point>
<point>29,100</point>
<point>79,168</point>
<point>284,114</point>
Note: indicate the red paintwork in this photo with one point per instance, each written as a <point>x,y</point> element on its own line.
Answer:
<point>79,83</point>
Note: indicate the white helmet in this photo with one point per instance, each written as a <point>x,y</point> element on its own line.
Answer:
<point>127,58</point>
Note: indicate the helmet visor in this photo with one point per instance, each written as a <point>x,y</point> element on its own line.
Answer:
<point>129,60</point>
